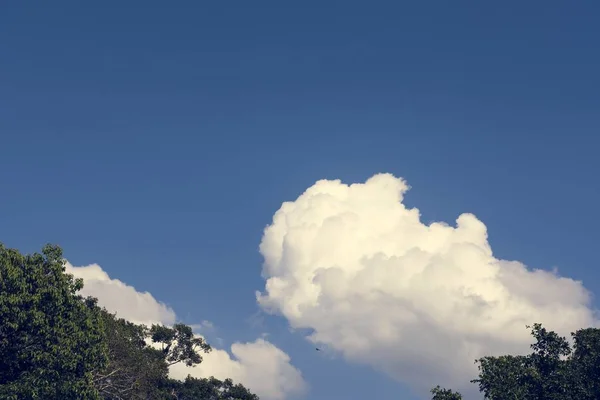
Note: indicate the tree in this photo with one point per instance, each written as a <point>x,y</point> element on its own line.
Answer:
<point>137,370</point>
<point>179,344</point>
<point>552,371</point>
<point>134,370</point>
<point>444,394</point>
<point>544,374</point>
<point>55,344</point>
<point>212,389</point>
<point>51,339</point>
<point>584,364</point>
<point>503,377</point>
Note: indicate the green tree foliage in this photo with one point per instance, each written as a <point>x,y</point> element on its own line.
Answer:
<point>51,339</point>
<point>546,373</point>
<point>211,389</point>
<point>55,344</point>
<point>552,371</point>
<point>585,364</point>
<point>504,377</point>
<point>444,394</point>
<point>134,370</point>
<point>179,344</point>
<point>137,370</point>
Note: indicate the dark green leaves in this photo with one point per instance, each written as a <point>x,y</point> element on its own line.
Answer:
<point>50,338</point>
<point>553,371</point>
<point>179,344</point>
<point>212,389</point>
<point>55,344</point>
<point>444,394</point>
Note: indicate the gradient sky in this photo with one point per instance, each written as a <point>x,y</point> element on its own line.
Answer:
<point>158,140</point>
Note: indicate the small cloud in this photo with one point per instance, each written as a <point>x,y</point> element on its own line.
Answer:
<point>265,368</point>
<point>125,300</point>
<point>260,366</point>
<point>203,327</point>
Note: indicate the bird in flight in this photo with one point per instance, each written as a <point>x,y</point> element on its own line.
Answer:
<point>318,349</point>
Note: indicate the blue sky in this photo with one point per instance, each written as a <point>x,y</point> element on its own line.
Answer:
<point>158,141</point>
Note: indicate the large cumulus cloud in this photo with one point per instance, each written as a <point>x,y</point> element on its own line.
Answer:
<point>258,365</point>
<point>419,302</point>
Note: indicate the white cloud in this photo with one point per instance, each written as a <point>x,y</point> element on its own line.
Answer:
<point>261,366</point>
<point>121,298</point>
<point>419,302</point>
